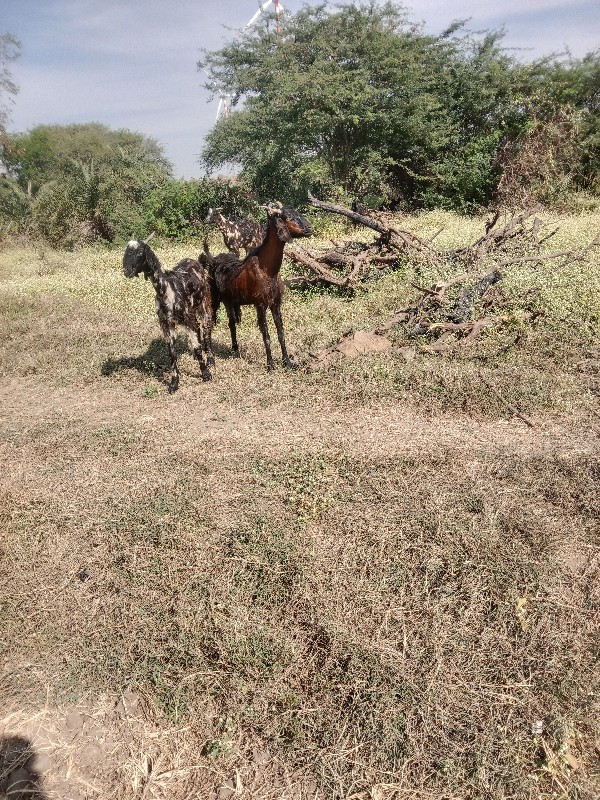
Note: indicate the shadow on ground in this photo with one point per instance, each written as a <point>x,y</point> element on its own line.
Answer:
<point>19,779</point>
<point>155,361</point>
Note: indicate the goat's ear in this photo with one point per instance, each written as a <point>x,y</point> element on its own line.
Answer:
<point>282,229</point>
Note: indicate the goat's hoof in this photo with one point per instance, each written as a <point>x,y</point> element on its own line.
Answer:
<point>173,386</point>
<point>270,367</point>
<point>211,361</point>
<point>206,376</point>
<point>288,364</point>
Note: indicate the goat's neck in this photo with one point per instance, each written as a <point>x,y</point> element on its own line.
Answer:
<point>270,252</point>
<point>222,223</point>
<point>158,280</point>
<point>155,273</point>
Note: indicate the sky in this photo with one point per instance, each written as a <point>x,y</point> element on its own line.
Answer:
<point>133,63</point>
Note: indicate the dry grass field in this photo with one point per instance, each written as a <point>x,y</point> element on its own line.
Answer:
<point>369,582</point>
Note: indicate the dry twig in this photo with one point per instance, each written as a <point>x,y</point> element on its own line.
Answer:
<point>505,403</point>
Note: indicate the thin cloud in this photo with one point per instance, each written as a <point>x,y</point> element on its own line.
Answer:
<point>133,64</point>
<point>476,9</point>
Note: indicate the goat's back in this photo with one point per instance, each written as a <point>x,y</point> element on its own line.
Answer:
<point>252,233</point>
<point>191,280</point>
<point>238,233</point>
<point>190,269</point>
<point>225,268</point>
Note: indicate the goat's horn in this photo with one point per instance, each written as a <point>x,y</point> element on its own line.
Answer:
<point>274,208</point>
<point>149,237</point>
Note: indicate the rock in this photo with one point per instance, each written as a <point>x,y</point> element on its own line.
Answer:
<point>363,342</point>
<point>408,353</point>
<point>74,721</point>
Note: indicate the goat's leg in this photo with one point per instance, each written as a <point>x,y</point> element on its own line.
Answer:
<point>169,334</point>
<point>207,340</point>
<point>198,341</point>
<point>261,314</point>
<point>287,361</point>
<point>206,324</point>
<point>231,318</point>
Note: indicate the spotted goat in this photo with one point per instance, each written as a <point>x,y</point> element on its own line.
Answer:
<point>237,233</point>
<point>183,297</point>
<point>255,280</point>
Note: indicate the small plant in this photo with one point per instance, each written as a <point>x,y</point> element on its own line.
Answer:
<point>150,391</point>
<point>216,748</point>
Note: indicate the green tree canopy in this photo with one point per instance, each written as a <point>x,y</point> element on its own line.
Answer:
<point>361,102</point>
<point>561,95</point>
<point>75,184</point>
<point>53,152</point>
<point>86,181</point>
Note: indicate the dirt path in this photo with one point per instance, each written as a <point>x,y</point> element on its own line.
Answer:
<point>187,422</point>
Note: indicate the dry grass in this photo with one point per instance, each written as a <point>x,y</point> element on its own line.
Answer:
<point>368,583</point>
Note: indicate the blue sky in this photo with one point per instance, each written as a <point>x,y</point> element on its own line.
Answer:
<point>132,63</point>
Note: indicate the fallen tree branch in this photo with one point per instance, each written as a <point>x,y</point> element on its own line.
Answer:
<point>438,290</point>
<point>302,282</point>
<point>408,239</point>
<point>463,308</point>
<point>353,257</point>
<point>472,329</point>
<point>305,259</point>
<point>494,236</point>
<point>346,212</point>
<point>402,315</point>
<point>358,264</point>
<point>548,236</point>
<point>577,255</point>
<point>438,319</point>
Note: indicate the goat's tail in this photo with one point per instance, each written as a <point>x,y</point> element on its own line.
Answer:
<point>237,310</point>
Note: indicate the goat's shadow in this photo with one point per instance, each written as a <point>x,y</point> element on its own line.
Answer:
<point>155,361</point>
<point>19,778</point>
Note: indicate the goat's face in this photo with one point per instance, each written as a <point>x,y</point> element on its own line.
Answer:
<point>213,214</point>
<point>290,223</point>
<point>134,259</point>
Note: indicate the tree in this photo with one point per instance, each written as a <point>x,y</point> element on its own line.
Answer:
<point>555,148</point>
<point>87,181</point>
<point>362,102</point>
<point>52,152</point>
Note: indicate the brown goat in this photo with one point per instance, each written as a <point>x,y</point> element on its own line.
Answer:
<point>255,280</point>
